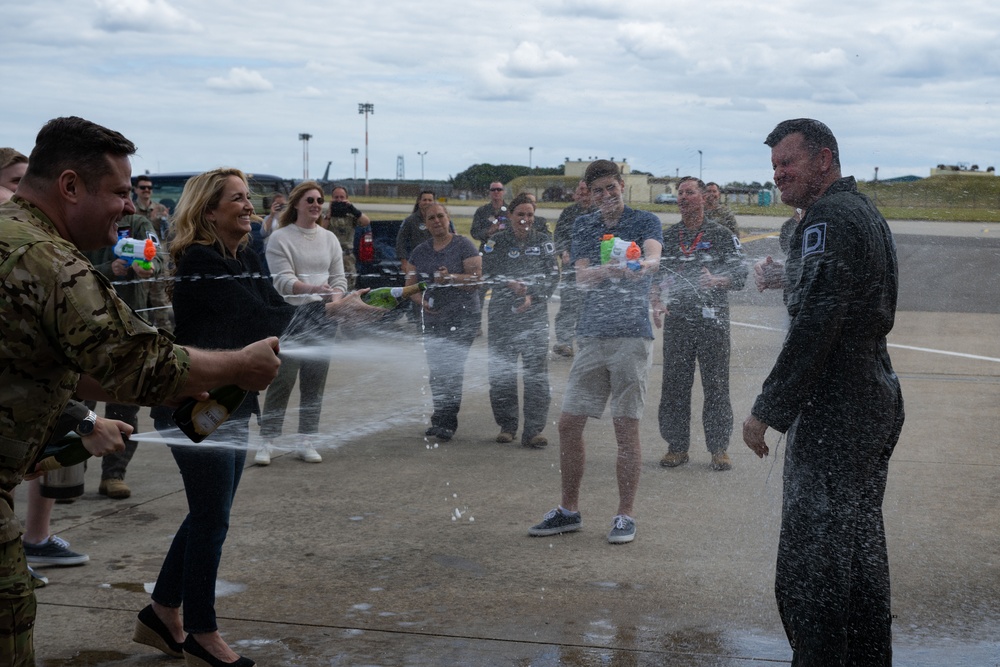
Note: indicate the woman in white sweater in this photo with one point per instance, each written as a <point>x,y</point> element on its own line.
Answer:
<point>306,265</point>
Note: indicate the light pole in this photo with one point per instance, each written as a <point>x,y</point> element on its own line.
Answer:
<point>304,138</point>
<point>421,154</point>
<point>530,148</point>
<point>699,165</point>
<point>354,152</point>
<point>366,108</point>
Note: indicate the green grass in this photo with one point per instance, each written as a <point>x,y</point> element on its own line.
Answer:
<point>957,197</point>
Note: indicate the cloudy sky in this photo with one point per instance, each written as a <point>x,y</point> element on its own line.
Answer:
<point>198,84</point>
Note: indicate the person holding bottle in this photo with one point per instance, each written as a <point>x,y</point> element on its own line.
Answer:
<point>212,227</point>
<point>451,266</point>
<point>520,265</point>
<point>66,332</point>
<point>307,266</point>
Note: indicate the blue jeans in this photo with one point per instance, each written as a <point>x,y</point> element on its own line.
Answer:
<point>211,475</point>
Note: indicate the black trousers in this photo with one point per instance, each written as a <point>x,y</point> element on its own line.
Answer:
<point>447,346</point>
<point>832,578</point>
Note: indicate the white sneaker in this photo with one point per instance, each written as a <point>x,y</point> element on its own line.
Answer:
<point>263,455</point>
<point>309,455</point>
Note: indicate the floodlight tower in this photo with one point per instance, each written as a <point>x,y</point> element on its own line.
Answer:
<point>366,108</point>
<point>304,138</point>
<point>421,154</point>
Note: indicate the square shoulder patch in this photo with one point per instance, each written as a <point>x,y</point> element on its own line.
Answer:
<point>814,240</point>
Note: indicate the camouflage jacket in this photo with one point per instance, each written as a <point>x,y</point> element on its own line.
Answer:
<point>60,319</point>
<point>722,215</point>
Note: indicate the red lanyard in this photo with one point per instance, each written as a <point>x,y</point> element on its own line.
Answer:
<point>691,246</point>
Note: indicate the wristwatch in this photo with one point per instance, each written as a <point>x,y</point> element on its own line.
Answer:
<point>86,425</point>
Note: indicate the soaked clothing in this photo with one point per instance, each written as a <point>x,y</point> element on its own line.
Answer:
<point>723,215</point>
<point>696,329</point>
<point>483,219</point>
<point>450,330</point>
<point>525,335</point>
<point>614,309</point>
<point>569,295</point>
<point>834,392</point>
<point>59,319</point>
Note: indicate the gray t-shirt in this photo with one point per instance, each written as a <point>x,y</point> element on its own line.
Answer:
<point>449,301</point>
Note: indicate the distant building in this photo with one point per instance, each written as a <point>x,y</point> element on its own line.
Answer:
<point>637,186</point>
<point>953,169</point>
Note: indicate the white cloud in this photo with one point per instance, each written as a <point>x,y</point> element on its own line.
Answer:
<point>142,16</point>
<point>529,61</point>
<point>597,9</point>
<point>240,80</point>
<point>650,40</point>
<point>830,61</point>
<point>472,85</point>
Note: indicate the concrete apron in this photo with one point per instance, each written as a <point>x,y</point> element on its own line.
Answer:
<point>397,550</point>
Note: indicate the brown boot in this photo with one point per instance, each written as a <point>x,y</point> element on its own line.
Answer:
<point>674,459</point>
<point>114,488</point>
<point>721,461</point>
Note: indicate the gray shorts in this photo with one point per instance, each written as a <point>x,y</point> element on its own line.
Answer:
<point>603,367</point>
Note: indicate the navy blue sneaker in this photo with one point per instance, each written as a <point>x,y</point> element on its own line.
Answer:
<point>622,530</point>
<point>53,551</point>
<point>556,522</point>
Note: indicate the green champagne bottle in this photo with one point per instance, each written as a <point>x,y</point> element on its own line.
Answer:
<point>199,419</point>
<point>55,457</point>
<point>392,297</point>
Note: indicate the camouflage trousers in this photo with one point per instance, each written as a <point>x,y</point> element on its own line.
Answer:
<point>160,313</point>
<point>17,607</point>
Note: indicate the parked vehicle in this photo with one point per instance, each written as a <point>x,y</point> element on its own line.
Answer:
<point>375,255</point>
<point>167,188</point>
<point>666,198</point>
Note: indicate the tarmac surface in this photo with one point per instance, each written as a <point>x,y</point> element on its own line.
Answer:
<point>398,550</point>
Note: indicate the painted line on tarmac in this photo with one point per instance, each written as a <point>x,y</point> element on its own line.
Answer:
<point>758,237</point>
<point>929,350</point>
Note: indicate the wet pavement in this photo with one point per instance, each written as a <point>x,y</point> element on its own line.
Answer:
<point>398,550</point>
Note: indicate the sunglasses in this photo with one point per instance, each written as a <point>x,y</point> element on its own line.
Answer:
<point>144,187</point>
<point>496,189</point>
<point>314,200</point>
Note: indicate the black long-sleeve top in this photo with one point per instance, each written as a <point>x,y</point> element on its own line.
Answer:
<point>225,302</point>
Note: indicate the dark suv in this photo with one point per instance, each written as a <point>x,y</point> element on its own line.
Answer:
<point>167,188</point>
<point>375,255</point>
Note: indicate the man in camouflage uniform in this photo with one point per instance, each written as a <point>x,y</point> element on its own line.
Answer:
<point>717,212</point>
<point>132,283</point>
<point>345,218</point>
<point>64,331</point>
<point>156,298</point>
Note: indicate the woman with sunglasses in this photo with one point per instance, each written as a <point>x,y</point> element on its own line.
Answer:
<point>221,301</point>
<point>307,265</point>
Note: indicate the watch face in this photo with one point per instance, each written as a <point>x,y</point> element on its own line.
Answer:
<point>86,426</point>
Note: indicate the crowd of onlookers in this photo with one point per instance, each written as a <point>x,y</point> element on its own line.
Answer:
<point>71,333</point>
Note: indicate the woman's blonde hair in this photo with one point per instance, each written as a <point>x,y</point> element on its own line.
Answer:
<point>291,212</point>
<point>190,226</point>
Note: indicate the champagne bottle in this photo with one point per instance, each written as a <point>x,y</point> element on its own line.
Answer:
<point>392,297</point>
<point>198,419</point>
<point>55,457</point>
